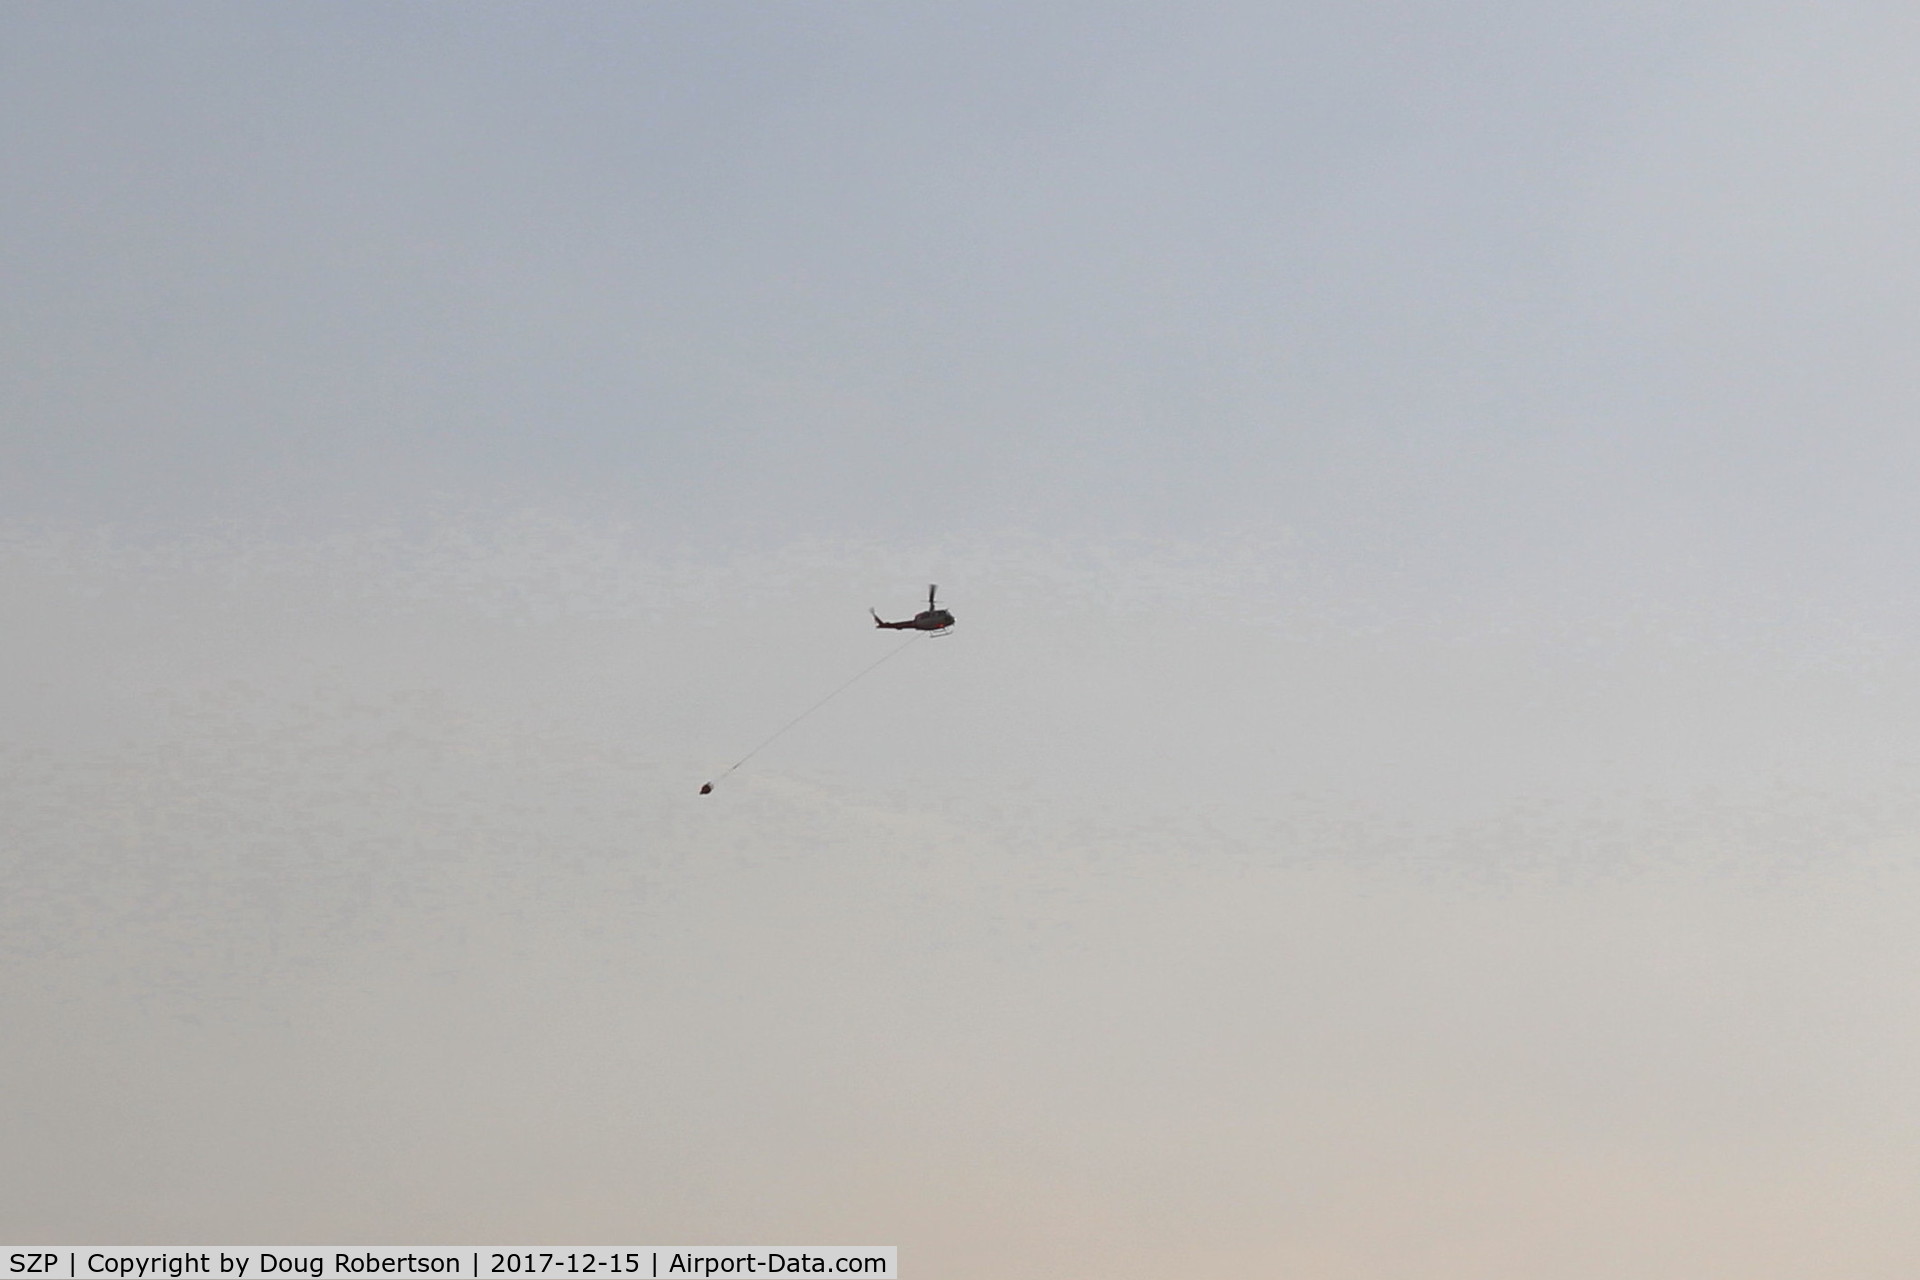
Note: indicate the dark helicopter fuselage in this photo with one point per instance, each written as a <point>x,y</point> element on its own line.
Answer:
<point>931,618</point>
<point>928,620</point>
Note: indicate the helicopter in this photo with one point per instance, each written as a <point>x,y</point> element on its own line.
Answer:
<point>933,619</point>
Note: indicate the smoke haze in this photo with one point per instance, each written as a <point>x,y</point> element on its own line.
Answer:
<point>1421,783</point>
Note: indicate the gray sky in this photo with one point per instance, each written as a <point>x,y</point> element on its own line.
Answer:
<point>1421,784</point>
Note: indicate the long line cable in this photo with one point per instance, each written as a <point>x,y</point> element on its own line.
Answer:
<point>871,667</point>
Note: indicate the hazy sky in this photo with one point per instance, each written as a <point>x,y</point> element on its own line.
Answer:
<point>1421,784</point>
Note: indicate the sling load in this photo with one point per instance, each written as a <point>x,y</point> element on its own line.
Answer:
<point>932,621</point>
